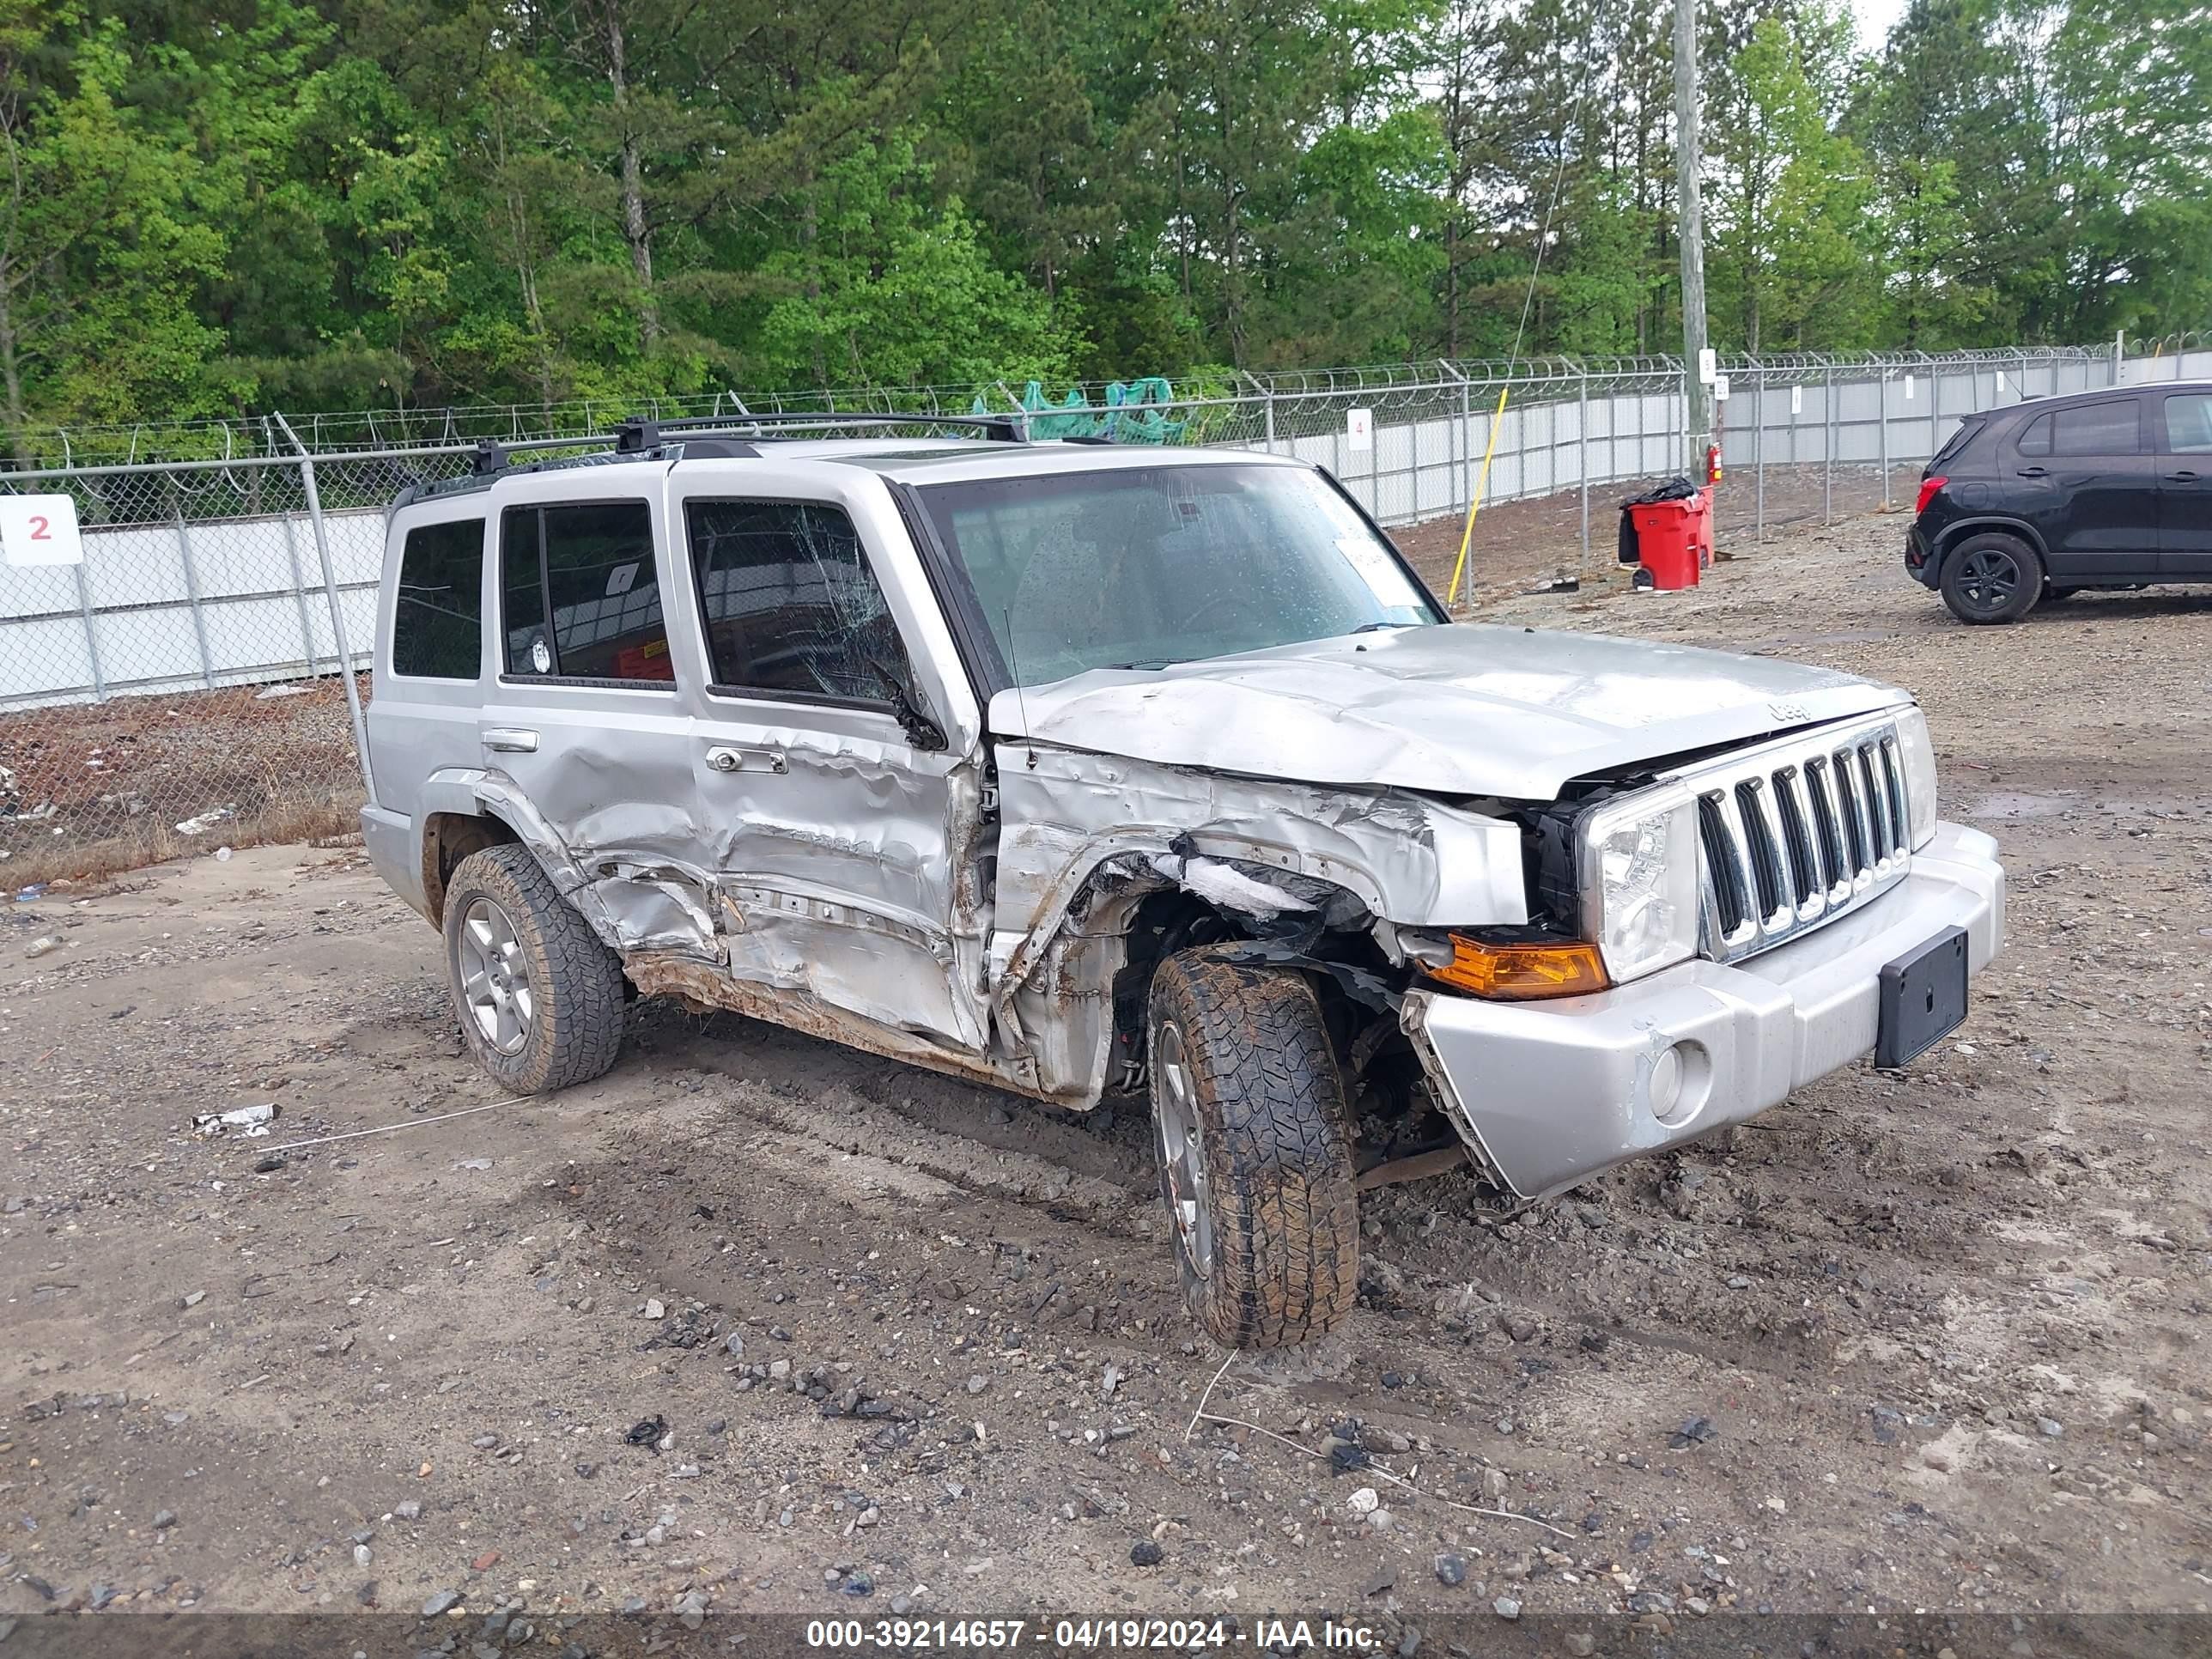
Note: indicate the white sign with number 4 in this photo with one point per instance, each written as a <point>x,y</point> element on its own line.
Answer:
<point>40,530</point>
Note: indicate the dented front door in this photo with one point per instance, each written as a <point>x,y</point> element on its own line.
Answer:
<point>837,840</point>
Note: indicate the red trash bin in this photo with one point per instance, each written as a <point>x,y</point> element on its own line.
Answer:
<point>1672,540</point>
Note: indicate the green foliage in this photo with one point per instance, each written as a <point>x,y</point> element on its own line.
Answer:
<point>890,290</point>
<point>214,207</point>
<point>1787,259</point>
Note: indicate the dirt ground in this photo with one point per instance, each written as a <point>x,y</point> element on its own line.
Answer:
<point>1916,1361</point>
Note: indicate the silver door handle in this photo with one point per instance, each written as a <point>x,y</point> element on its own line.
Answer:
<point>510,740</point>
<point>724,758</point>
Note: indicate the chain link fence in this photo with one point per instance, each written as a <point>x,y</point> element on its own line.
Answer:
<point>185,686</point>
<point>197,679</point>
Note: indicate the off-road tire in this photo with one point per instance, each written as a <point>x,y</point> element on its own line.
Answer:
<point>1974,587</point>
<point>576,1031</point>
<point>1275,1146</point>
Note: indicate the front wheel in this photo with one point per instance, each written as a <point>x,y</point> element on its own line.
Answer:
<point>1992,578</point>
<point>1255,1151</point>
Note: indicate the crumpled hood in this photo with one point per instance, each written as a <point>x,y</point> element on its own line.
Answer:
<point>1455,710</point>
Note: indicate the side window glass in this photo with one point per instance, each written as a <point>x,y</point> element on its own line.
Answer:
<point>2035,436</point>
<point>580,593</point>
<point>790,604</point>
<point>604,591</point>
<point>2109,428</point>
<point>2189,423</point>
<point>438,615</point>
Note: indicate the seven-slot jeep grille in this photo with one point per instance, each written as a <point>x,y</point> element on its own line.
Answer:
<point>1793,834</point>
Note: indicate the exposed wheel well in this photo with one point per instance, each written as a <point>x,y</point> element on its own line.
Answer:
<point>1954,534</point>
<point>448,839</point>
<point>1163,923</point>
<point>1160,924</point>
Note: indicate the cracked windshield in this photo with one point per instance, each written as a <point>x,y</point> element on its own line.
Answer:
<point>1152,565</point>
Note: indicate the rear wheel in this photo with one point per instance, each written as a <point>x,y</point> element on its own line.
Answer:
<point>1992,578</point>
<point>539,997</point>
<point>1255,1151</point>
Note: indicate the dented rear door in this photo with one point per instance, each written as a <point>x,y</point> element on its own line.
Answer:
<point>587,729</point>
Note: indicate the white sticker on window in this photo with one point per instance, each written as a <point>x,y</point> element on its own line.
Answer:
<point>541,658</point>
<point>621,578</point>
<point>1379,570</point>
<point>40,530</point>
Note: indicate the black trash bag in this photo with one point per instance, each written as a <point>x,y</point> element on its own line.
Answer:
<point>1676,489</point>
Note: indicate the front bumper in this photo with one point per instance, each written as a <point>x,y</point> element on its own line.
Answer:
<point>1548,1093</point>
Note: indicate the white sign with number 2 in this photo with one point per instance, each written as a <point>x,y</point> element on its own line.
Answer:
<point>40,530</point>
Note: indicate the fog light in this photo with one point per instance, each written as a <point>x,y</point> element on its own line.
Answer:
<point>1680,1080</point>
<point>1667,1084</point>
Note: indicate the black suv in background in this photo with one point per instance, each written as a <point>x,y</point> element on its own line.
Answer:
<point>2109,489</point>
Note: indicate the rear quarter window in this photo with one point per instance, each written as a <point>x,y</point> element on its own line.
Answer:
<point>1955,444</point>
<point>437,627</point>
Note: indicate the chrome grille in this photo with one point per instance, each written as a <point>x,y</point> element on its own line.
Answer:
<point>1797,832</point>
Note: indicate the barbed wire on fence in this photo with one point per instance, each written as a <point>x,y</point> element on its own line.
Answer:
<point>198,677</point>
<point>365,430</point>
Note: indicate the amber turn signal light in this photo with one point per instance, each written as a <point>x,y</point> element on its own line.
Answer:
<point>1521,973</point>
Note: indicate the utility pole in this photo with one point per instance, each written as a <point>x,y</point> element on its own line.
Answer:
<point>1696,395</point>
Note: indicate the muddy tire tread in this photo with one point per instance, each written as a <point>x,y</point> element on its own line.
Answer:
<point>1278,1157</point>
<point>577,1032</point>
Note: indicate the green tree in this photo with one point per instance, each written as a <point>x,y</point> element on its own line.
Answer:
<point>889,290</point>
<point>1787,259</point>
<point>100,247</point>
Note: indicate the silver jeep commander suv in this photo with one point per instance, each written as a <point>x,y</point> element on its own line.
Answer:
<point>1077,768</point>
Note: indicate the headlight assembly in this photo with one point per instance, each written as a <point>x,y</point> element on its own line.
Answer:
<point>1639,881</point>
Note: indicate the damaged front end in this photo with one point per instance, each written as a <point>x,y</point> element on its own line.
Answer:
<point>1108,866</point>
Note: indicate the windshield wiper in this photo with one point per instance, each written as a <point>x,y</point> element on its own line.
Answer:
<point>1151,662</point>
<point>1377,627</point>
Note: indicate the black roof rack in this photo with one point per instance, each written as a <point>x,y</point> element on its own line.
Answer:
<point>636,436</point>
<point>698,437</point>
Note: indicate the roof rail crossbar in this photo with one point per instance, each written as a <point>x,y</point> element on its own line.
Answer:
<point>636,436</point>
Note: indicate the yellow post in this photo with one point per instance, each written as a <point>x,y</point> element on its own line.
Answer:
<point>1474,502</point>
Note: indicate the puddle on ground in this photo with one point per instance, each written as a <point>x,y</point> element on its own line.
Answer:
<point>2023,804</point>
<point>1799,642</point>
<point>2018,804</point>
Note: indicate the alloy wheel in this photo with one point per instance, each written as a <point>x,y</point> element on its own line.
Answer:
<point>1989,579</point>
<point>496,977</point>
<point>1183,1160</point>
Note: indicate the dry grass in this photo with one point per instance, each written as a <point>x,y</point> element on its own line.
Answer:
<point>316,822</point>
<point>90,790</point>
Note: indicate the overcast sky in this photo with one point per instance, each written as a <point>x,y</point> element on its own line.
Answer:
<point>1875,18</point>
